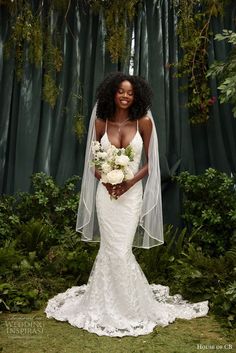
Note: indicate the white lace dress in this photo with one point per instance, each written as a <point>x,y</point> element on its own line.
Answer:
<point>118,300</point>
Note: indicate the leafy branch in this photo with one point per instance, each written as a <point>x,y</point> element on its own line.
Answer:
<point>193,29</point>
<point>226,71</point>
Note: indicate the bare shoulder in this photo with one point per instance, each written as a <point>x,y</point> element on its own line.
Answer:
<point>99,127</point>
<point>99,124</point>
<point>145,123</point>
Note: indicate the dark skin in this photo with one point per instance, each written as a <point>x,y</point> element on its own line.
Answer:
<point>128,129</point>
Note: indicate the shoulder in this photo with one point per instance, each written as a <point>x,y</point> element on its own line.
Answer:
<point>100,128</point>
<point>145,123</point>
<point>99,124</point>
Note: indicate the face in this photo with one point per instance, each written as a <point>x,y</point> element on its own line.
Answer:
<point>124,96</point>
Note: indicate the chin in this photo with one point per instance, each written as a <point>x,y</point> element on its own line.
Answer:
<point>123,106</point>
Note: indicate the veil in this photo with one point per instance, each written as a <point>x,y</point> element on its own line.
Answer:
<point>149,231</point>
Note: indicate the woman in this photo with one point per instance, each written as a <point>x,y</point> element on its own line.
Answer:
<point>118,300</point>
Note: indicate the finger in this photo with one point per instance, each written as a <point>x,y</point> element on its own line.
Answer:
<point>122,191</point>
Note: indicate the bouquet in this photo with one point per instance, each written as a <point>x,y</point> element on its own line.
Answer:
<point>113,163</point>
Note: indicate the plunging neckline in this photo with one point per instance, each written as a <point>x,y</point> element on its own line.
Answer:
<point>105,133</point>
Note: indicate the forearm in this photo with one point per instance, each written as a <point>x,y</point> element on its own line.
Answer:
<point>140,174</point>
<point>119,189</point>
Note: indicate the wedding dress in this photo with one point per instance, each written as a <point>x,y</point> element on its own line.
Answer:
<point>118,300</point>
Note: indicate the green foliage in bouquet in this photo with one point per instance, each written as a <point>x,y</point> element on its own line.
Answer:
<point>129,152</point>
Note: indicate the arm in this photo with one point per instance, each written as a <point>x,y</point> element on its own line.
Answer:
<point>146,130</point>
<point>99,127</point>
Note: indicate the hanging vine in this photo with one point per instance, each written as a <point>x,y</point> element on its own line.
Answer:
<point>32,40</point>
<point>25,29</point>
<point>193,29</point>
<point>118,17</point>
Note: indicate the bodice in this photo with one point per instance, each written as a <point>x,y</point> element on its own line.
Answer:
<point>137,145</point>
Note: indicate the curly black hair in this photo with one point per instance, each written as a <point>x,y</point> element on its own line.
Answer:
<point>106,93</point>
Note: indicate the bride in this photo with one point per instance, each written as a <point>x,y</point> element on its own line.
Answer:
<point>118,300</point>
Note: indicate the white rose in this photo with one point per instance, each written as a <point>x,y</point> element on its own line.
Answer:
<point>128,174</point>
<point>95,146</point>
<point>122,160</point>
<point>106,168</point>
<point>116,176</point>
<point>102,155</point>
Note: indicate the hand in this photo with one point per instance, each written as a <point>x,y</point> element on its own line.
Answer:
<point>119,189</point>
<point>109,188</point>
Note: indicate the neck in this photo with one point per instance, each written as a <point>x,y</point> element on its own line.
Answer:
<point>121,115</point>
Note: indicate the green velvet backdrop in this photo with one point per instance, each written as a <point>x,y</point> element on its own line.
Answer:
<point>35,137</point>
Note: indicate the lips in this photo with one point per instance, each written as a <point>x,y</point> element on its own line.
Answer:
<point>124,101</point>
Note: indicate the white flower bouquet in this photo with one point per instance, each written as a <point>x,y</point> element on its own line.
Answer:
<point>113,163</point>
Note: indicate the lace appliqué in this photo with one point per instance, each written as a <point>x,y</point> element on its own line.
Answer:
<point>120,303</point>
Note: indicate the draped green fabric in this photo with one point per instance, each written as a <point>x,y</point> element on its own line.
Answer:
<point>34,137</point>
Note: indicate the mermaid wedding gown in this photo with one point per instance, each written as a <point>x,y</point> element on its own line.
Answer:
<point>118,300</point>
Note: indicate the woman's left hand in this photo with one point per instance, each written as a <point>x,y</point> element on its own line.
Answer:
<point>120,189</point>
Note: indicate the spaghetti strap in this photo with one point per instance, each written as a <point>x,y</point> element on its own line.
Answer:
<point>106,126</point>
<point>137,125</point>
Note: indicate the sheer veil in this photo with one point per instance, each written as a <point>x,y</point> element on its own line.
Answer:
<point>149,232</point>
